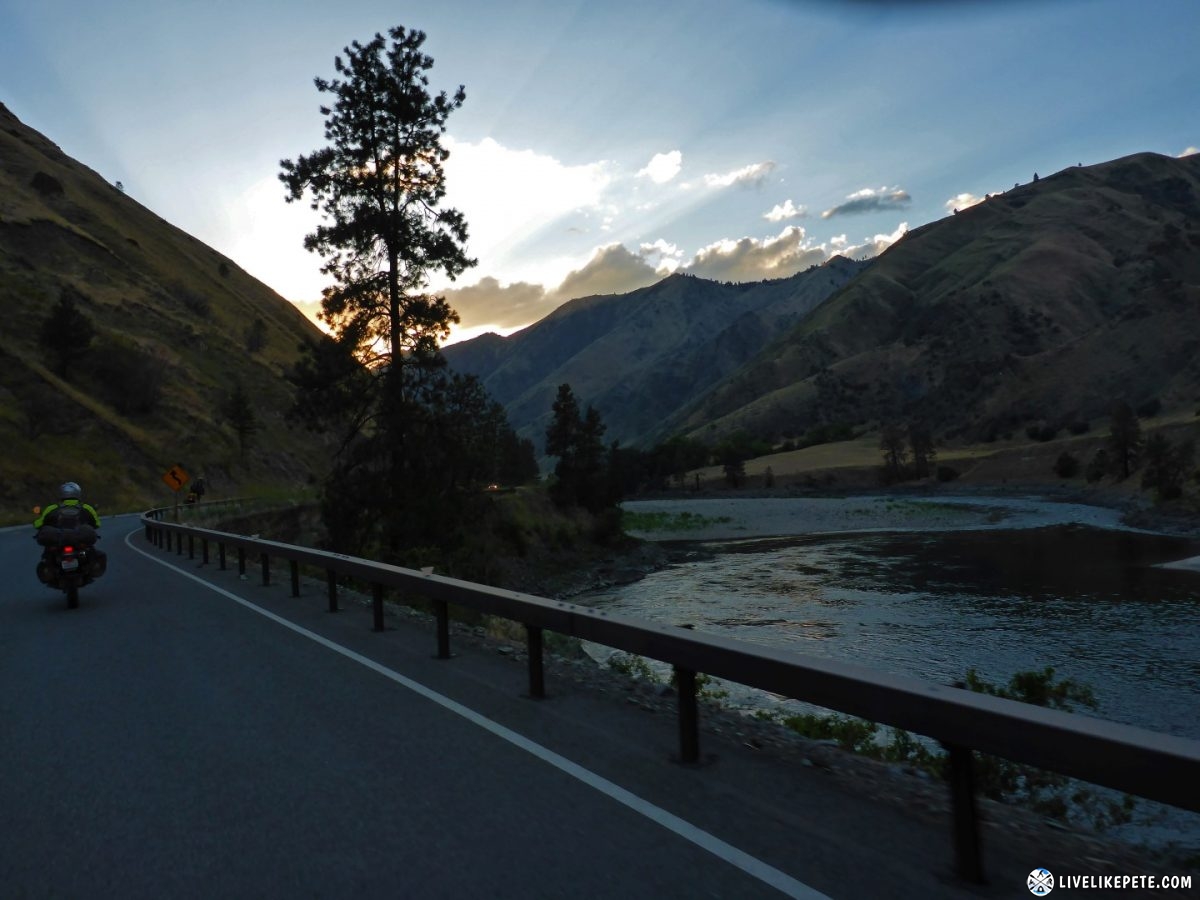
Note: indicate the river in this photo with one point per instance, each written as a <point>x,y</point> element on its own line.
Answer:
<point>1089,602</point>
<point>1096,604</point>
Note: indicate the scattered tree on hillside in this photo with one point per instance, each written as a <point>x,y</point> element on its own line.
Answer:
<point>1098,466</point>
<point>920,443</point>
<point>731,456</point>
<point>1167,466</point>
<point>126,375</point>
<point>256,335</point>
<point>239,413</point>
<point>899,443</point>
<point>380,184</point>
<point>1066,466</point>
<point>895,451</point>
<point>1124,440</point>
<point>66,333</point>
<point>732,452</point>
<point>674,458</point>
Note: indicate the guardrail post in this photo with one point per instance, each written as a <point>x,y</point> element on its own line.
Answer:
<point>241,560</point>
<point>266,570</point>
<point>537,679</point>
<point>689,719</point>
<point>295,578</point>
<point>377,607</point>
<point>221,556</point>
<point>442,608</point>
<point>179,544</point>
<point>204,551</point>
<point>332,578</point>
<point>191,547</point>
<point>967,859</point>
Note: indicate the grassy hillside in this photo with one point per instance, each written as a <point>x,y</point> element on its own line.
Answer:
<point>174,320</point>
<point>1043,304</point>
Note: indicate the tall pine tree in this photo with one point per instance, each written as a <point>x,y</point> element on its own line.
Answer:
<point>380,184</point>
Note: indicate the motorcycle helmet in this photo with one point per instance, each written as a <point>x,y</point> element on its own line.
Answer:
<point>70,491</point>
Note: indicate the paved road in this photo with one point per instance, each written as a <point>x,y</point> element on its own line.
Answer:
<point>185,733</point>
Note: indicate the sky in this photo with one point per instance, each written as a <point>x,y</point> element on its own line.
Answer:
<point>603,146</point>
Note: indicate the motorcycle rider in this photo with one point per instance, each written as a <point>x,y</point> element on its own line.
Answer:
<point>70,512</point>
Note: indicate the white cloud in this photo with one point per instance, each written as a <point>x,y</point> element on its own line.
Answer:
<point>753,259</point>
<point>663,167</point>
<point>962,201</point>
<point>872,247</point>
<point>664,250</point>
<point>615,269</point>
<point>612,269</point>
<point>1189,152</point>
<point>747,175</point>
<point>507,194</point>
<point>870,200</point>
<point>502,306</point>
<point>266,237</point>
<point>785,210</point>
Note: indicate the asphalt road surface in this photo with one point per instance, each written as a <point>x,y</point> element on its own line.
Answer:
<point>187,733</point>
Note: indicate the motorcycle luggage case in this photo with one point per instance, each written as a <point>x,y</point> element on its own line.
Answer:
<point>53,536</point>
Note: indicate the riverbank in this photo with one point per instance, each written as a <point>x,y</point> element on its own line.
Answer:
<point>726,519</point>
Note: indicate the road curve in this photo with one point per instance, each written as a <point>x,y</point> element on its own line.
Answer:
<point>187,733</point>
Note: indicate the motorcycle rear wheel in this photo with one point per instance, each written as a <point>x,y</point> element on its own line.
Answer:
<point>73,596</point>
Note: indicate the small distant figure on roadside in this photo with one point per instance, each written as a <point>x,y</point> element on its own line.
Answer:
<point>196,490</point>
<point>70,519</point>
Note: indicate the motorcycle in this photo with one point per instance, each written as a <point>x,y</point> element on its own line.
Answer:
<point>67,567</point>
<point>70,559</point>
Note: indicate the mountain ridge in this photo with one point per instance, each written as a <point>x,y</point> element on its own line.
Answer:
<point>638,356</point>
<point>1022,309</point>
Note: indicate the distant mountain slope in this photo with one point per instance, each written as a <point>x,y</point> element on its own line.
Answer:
<point>1043,304</point>
<point>154,293</point>
<point>639,357</point>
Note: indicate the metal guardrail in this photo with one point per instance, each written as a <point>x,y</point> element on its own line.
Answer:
<point>1136,761</point>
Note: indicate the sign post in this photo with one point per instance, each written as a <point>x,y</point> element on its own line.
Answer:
<point>175,478</point>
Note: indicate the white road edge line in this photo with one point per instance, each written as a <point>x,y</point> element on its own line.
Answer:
<point>751,865</point>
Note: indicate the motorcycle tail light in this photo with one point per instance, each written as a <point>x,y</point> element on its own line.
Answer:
<point>68,549</point>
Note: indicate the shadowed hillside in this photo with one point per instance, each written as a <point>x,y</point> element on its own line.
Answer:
<point>177,328</point>
<point>639,357</point>
<point>1043,304</point>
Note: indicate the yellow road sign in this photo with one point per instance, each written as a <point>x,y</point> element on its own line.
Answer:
<point>176,478</point>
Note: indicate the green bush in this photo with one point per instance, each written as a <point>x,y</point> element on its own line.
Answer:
<point>1066,466</point>
<point>1097,466</point>
<point>126,376</point>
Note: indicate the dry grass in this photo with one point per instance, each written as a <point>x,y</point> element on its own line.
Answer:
<point>142,282</point>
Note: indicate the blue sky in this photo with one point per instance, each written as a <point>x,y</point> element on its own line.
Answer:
<point>603,145</point>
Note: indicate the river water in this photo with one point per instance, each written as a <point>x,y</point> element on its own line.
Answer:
<point>1092,603</point>
<point>1095,604</point>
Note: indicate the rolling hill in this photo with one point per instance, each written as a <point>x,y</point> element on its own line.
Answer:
<point>177,328</point>
<point>1039,306</point>
<point>640,357</point>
